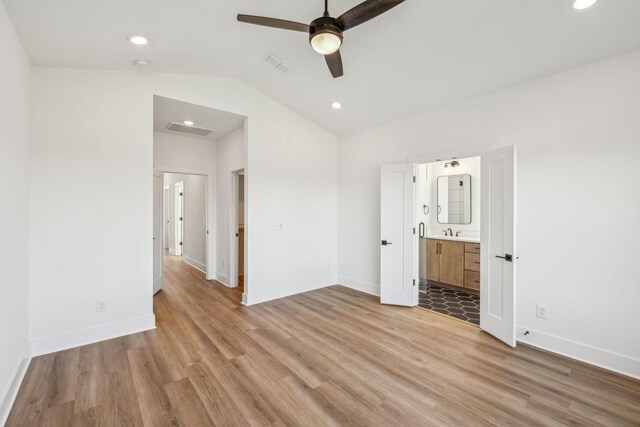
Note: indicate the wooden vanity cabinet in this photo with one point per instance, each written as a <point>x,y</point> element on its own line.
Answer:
<point>454,263</point>
<point>445,262</point>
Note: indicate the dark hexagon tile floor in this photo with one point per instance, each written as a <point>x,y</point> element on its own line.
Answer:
<point>458,304</point>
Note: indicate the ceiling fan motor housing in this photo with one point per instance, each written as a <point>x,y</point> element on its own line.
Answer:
<point>325,25</point>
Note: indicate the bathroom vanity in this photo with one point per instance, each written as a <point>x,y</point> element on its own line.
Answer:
<point>451,261</point>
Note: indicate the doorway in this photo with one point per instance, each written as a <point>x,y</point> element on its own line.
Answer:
<point>448,216</point>
<point>187,222</point>
<point>238,231</point>
<point>400,261</point>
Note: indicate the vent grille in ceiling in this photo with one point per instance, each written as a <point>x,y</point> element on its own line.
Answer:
<point>193,130</point>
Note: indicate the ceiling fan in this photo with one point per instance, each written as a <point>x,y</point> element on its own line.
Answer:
<point>325,33</point>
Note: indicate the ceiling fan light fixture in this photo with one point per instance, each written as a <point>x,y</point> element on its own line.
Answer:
<point>583,4</point>
<point>326,43</point>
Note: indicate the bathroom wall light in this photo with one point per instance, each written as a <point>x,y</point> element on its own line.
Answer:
<point>453,164</point>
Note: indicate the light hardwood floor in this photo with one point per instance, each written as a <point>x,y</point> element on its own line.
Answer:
<point>328,357</point>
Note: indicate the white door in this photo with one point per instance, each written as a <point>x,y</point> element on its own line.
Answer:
<point>166,231</point>
<point>398,244</point>
<point>498,247</point>
<point>179,217</point>
<point>157,234</point>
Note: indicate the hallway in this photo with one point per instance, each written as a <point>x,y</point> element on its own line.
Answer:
<point>328,357</point>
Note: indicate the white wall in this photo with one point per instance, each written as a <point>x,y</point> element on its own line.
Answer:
<point>177,153</point>
<point>569,128</point>
<point>194,216</point>
<point>105,218</point>
<point>231,157</point>
<point>14,138</point>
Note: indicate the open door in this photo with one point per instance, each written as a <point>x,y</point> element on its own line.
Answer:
<point>498,247</point>
<point>179,217</point>
<point>398,270</point>
<point>158,278</point>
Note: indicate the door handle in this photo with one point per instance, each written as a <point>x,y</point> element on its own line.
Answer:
<point>506,257</point>
<point>385,243</point>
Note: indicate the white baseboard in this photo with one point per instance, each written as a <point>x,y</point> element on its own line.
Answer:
<point>91,335</point>
<point>11,391</point>
<point>224,279</point>
<point>368,288</point>
<point>172,251</point>
<point>195,264</point>
<point>285,291</point>
<point>605,359</point>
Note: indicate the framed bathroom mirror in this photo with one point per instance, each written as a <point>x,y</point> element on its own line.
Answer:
<point>454,199</point>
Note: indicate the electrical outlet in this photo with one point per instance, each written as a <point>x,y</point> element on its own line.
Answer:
<point>277,226</point>
<point>101,305</point>
<point>542,311</point>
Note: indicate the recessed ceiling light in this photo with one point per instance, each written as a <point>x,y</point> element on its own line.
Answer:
<point>583,4</point>
<point>188,123</point>
<point>141,63</point>
<point>139,40</point>
<point>336,105</point>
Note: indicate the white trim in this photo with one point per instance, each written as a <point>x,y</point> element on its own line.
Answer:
<point>367,288</point>
<point>601,358</point>
<point>91,335</point>
<point>171,251</point>
<point>286,291</point>
<point>11,391</point>
<point>195,264</point>
<point>223,278</point>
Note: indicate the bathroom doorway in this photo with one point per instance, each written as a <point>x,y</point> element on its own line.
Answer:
<point>409,245</point>
<point>449,223</point>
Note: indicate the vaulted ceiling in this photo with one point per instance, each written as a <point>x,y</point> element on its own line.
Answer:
<point>420,55</point>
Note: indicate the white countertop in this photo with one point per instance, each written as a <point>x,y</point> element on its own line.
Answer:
<point>467,239</point>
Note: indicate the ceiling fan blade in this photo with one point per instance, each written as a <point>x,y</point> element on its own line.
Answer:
<point>334,61</point>
<point>274,23</point>
<point>365,11</point>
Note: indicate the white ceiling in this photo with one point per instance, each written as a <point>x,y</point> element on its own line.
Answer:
<point>420,55</point>
<point>166,110</point>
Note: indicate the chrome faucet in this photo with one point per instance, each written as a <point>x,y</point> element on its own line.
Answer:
<point>450,232</point>
<point>458,233</point>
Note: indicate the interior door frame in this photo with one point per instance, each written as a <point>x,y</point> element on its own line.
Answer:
<point>438,157</point>
<point>209,211</point>
<point>233,227</point>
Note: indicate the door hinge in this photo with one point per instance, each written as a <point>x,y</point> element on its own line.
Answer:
<point>414,230</point>
<point>414,282</point>
<point>414,178</point>
<point>180,243</point>
<point>181,194</point>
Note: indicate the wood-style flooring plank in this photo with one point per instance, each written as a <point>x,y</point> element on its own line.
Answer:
<point>333,356</point>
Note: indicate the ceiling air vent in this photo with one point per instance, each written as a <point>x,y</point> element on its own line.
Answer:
<point>193,130</point>
<point>276,63</point>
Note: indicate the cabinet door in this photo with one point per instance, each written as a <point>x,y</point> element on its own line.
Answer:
<point>452,263</point>
<point>433,260</point>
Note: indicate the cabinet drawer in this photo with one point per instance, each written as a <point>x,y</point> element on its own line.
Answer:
<point>472,247</point>
<point>472,261</point>
<point>472,280</point>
